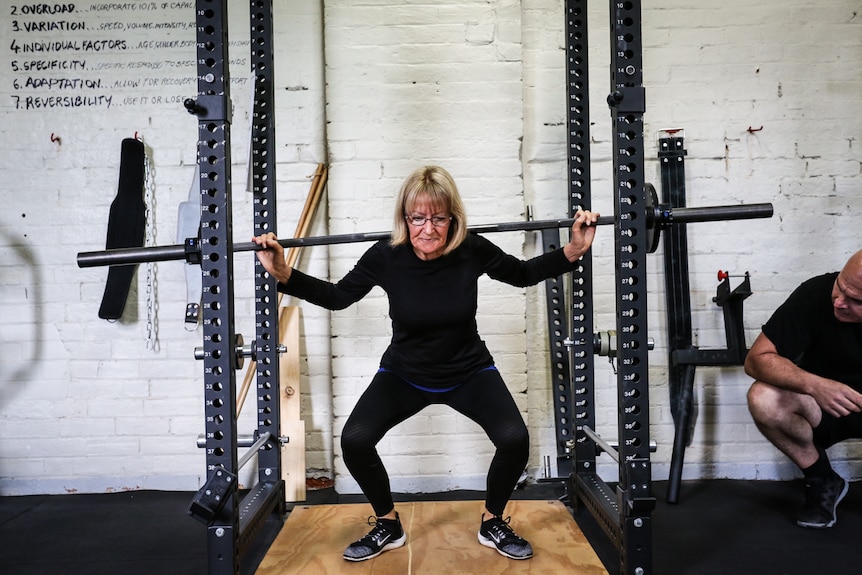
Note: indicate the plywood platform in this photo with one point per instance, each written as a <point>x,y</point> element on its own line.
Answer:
<point>441,540</point>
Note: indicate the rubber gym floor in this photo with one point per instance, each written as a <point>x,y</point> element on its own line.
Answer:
<point>717,527</point>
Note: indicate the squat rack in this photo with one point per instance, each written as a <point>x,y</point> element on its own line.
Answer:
<point>236,525</point>
<point>624,514</point>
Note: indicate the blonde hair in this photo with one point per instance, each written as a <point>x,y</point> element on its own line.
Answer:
<point>436,186</point>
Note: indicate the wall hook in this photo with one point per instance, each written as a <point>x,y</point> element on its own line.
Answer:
<point>752,130</point>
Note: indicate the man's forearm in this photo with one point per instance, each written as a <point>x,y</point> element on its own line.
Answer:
<point>779,371</point>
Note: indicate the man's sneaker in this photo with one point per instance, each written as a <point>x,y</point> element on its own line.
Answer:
<point>496,533</point>
<point>822,497</point>
<point>387,534</point>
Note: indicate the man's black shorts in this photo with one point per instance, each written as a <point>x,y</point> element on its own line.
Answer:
<point>834,429</point>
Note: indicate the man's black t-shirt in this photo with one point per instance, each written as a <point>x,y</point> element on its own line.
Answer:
<point>804,330</point>
<point>432,303</point>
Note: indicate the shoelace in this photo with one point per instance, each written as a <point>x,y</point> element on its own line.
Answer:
<point>500,529</point>
<point>378,534</point>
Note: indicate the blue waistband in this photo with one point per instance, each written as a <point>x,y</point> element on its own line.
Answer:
<point>434,389</point>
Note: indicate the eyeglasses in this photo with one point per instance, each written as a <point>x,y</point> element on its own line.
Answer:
<point>436,221</point>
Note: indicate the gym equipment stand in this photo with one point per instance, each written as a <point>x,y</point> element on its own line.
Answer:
<point>236,525</point>
<point>684,356</point>
<point>624,513</point>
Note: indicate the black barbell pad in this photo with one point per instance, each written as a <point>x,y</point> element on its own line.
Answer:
<point>126,226</point>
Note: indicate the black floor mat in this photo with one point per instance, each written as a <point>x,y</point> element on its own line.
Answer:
<point>718,527</point>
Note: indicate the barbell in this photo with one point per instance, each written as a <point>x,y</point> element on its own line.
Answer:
<point>658,217</point>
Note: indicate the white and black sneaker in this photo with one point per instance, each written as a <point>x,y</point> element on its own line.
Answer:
<point>387,534</point>
<point>496,533</point>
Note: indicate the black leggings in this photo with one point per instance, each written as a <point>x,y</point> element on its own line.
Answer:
<point>389,400</point>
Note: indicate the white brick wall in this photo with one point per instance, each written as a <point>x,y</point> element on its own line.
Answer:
<point>376,88</point>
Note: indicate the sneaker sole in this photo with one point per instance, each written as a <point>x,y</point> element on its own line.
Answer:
<point>389,546</point>
<point>838,499</point>
<point>490,543</point>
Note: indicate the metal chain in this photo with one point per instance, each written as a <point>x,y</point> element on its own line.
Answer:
<point>152,267</point>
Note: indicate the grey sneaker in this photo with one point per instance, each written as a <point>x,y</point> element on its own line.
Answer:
<point>822,497</point>
<point>497,534</point>
<point>387,534</point>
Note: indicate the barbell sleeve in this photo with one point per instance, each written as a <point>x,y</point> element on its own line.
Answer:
<point>714,214</point>
<point>126,256</point>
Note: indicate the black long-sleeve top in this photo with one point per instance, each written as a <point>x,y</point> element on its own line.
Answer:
<point>432,303</point>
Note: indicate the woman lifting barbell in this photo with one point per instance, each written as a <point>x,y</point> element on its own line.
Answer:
<point>429,270</point>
